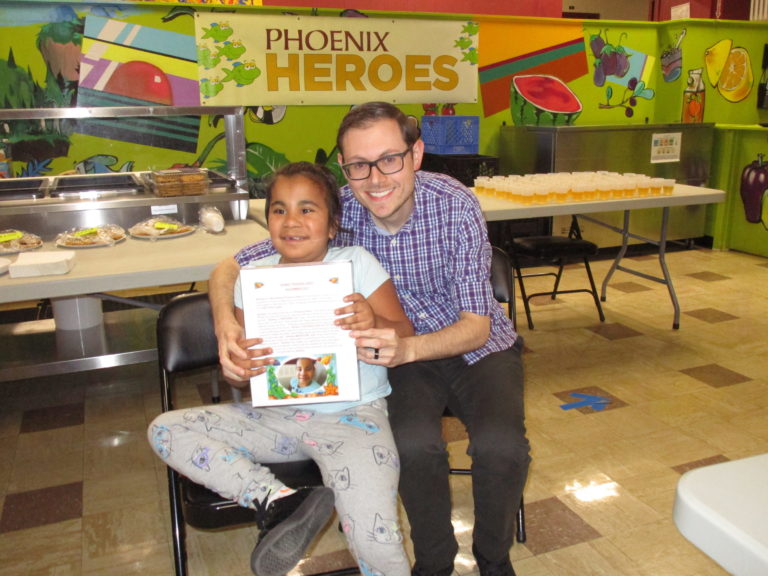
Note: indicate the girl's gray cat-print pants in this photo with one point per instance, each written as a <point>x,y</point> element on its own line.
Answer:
<point>228,448</point>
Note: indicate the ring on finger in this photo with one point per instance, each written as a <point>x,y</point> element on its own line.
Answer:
<point>375,353</point>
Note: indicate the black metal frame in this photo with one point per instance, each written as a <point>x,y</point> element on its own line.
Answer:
<point>556,250</point>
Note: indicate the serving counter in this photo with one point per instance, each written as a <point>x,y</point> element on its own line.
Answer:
<point>37,348</point>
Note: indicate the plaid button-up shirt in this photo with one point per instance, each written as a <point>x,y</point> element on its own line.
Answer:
<point>439,260</point>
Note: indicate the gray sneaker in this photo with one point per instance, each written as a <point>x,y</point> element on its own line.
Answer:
<point>291,525</point>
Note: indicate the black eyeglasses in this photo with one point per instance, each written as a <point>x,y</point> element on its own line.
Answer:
<point>389,164</point>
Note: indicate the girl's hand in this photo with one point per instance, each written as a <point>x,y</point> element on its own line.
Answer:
<point>358,315</point>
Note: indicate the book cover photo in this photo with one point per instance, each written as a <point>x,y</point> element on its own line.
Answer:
<point>291,307</point>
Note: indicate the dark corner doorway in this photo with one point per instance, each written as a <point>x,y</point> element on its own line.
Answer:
<point>582,15</point>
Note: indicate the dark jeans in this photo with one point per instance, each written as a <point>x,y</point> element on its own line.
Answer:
<point>488,398</point>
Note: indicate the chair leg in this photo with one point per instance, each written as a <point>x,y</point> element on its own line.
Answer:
<point>558,277</point>
<point>215,391</point>
<point>519,273</point>
<point>595,296</point>
<point>521,537</point>
<point>178,531</point>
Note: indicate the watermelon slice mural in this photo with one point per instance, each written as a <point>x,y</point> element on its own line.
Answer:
<point>543,101</point>
<point>534,50</point>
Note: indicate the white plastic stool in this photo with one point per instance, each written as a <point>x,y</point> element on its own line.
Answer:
<point>723,510</point>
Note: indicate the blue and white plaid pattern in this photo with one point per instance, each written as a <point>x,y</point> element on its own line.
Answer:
<point>439,261</point>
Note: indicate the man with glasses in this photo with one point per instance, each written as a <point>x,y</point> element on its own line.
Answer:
<point>429,233</point>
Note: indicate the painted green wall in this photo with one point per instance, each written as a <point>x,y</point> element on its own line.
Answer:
<point>308,133</point>
<point>737,147</point>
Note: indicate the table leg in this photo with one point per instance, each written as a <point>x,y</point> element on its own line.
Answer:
<point>666,278</point>
<point>77,312</point>
<point>624,231</point>
<point>665,270</point>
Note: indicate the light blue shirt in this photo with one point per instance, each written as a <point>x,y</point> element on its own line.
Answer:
<point>367,276</point>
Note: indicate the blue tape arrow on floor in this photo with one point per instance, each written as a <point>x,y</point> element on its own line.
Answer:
<point>587,400</point>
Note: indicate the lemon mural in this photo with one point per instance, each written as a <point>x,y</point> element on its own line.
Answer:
<point>729,69</point>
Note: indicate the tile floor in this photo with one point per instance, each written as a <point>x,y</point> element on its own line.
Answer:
<point>81,493</point>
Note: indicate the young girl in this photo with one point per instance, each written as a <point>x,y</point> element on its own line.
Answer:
<point>304,382</point>
<point>224,447</point>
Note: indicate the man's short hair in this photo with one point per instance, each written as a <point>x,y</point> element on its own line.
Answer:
<point>364,115</point>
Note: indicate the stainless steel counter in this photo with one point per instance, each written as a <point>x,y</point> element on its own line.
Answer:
<point>59,204</point>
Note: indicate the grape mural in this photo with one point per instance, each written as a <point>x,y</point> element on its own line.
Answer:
<point>612,62</point>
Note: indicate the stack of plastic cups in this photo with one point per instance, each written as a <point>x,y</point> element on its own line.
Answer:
<point>628,186</point>
<point>643,186</point>
<point>482,184</point>
<point>561,189</point>
<point>656,185</point>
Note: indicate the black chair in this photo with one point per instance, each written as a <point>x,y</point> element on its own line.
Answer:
<point>502,281</point>
<point>504,291</point>
<point>558,251</point>
<point>186,342</point>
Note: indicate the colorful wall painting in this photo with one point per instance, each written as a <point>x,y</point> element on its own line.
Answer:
<point>271,130</point>
<point>729,70</point>
<point>126,64</point>
<point>538,48</point>
<point>250,59</point>
<point>754,191</point>
<point>694,97</point>
<point>627,72</point>
<point>542,100</point>
<point>672,58</point>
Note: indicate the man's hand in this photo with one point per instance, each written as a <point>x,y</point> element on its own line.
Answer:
<point>248,361</point>
<point>469,333</point>
<point>381,346</point>
<point>230,334</point>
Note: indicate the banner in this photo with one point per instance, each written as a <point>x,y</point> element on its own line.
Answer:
<point>256,60</point>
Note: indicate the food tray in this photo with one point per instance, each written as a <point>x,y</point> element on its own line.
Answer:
<point>179,175</point>
<point>91,237</point>
<point>13,241</point>
<point>22,188</point>
<point>113,184</point>
<point>160,228</point>
<point>218,182</point>
<point>179,182</point>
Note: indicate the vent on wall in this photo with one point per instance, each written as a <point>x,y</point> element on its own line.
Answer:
<point>758,10</point>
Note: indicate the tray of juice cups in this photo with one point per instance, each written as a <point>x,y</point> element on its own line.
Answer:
<point>572,187</point>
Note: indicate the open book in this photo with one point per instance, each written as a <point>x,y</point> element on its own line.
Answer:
<point>290,306</point>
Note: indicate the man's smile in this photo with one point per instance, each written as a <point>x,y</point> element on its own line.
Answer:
<point>378,194</point>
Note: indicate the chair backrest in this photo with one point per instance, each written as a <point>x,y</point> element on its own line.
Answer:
<point>501,276</point>
<point>185,336</point>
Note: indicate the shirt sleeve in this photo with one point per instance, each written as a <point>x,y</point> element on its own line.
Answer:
<point>471,260</point>
<point>254,252</point>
